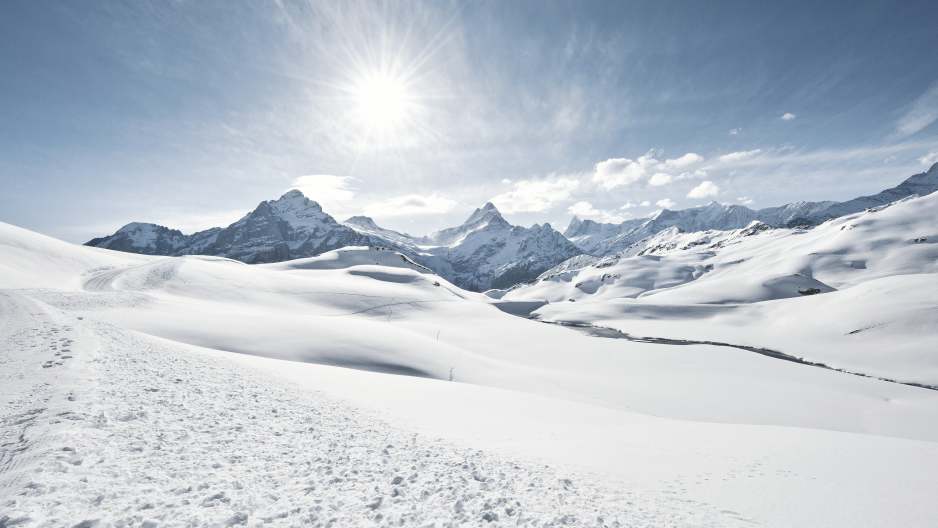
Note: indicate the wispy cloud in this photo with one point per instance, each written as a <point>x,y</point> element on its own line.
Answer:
<point>741,155</point>
<point>666,203</point>
<point>735,131</point>
<point>330,191</point>
<point>929,159</point>
<point>704,190</point>
<point>921,114</point>
<point>660,178</point>
<point>788,116</point>
<point>536,195</point>
<point>619,172</point>
<point>586,210</point>
<point>410,204</point>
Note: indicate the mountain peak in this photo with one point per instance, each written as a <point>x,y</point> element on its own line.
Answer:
<point>292,194</point>
<point>294,199</point>
<point>362,221</point>
<point>486,213</point>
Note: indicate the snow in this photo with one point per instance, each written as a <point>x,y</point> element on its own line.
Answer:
<point>607,239</point>
<point>203,391</point>
<point>870,275</point>
<point>482,252</point>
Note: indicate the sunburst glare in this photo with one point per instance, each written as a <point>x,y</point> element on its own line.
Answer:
<point>382,102</point>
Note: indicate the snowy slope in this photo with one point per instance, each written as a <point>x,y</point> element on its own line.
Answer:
<point>125,404</point>
<point>858,292</point>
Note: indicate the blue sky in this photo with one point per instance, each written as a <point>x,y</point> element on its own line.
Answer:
<point>189,113</point>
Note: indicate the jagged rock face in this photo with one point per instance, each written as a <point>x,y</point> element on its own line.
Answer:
<point>292,226</point>
<point>488,252</point>
<point>152,239</point>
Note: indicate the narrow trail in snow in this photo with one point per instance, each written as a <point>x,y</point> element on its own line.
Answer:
<point>612,333</point>
<point>138,431</point>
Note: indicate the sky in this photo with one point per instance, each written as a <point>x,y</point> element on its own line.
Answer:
<point>189,113</point>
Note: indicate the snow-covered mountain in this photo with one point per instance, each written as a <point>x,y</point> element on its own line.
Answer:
<point>485,251</point>
<point>292,226</point>
<point>488,252</point>
<point>367,225</point>
<point>607,239</point>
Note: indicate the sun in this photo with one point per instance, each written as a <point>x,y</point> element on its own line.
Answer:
<point>382,102</point>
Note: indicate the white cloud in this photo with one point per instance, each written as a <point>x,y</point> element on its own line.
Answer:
<point>659,178</point>
<point>330,191</point>
<point>410,204</point>
<point>628,205</point>
<point>922,113</point>
<point>532,196</point>
<point>705,189</point>
<point>788,116</point>
<point>617,172</point>
<point>506,181</point>
<point>684,161</point>
<point>699,173</point>
<point>586,210</point>
<point>666,203</point>
<point>645,203</point>
<point>741,155</point>
<point>929,159</point>
<point>735,131</point>
<point>745,200</point>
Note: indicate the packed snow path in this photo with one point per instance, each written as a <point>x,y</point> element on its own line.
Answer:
<point>104,427</point>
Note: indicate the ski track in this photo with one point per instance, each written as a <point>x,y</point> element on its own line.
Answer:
<point>106,427</point>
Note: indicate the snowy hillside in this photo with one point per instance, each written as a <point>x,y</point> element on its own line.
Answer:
<point>858,292</point>
<point>203,391</point>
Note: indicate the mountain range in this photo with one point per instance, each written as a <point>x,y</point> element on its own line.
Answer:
<point>601,239</point>
<point>485,251</point>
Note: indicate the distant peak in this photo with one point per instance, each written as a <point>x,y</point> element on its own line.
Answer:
<point>136,226</point>
<point>293,199</point>
<point>292,194</point>
<point>363,221</point>
<point>484,213</point>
